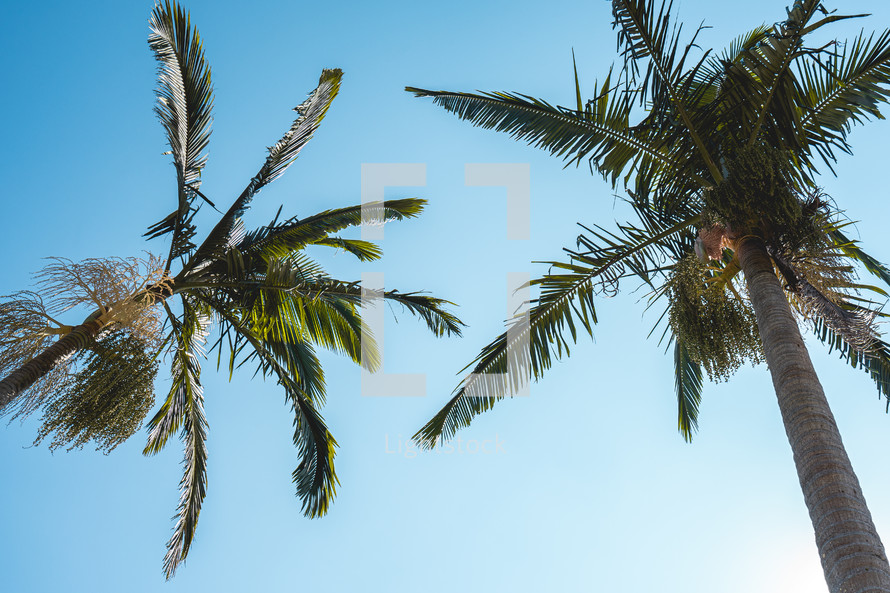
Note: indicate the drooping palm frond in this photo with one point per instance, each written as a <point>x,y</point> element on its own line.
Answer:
<point>185,100</point>
<point>281,155</point>
<point>504,366</point>
<point>875,360</point>
<point>314,476</point>
<point>832,302</point>
<point>329,322</point>
<point>303,383</point>
<point>183,410</point>
<point>688,385</point>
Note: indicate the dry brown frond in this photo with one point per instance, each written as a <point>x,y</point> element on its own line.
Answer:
<point>116,286</point>
<point>825,280</point>
<point>26,329</point>
<point>121,291</point>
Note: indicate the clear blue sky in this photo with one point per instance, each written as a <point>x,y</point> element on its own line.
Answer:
<point>592,488</point>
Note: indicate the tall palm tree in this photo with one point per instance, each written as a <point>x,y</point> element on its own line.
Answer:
<point>720,170</point>
<point>269,303</point>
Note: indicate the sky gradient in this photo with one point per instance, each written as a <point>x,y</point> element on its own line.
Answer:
<point>584,486</point>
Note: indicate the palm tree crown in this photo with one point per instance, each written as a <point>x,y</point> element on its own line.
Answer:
<point>718,154</point>
<point>756,115</point>
<point>267,302</point>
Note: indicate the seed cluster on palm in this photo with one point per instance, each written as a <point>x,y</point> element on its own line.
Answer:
<point>718,154</point>
<point>256,293</point>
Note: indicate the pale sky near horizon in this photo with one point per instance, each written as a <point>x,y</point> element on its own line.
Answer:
<point>584,486</point>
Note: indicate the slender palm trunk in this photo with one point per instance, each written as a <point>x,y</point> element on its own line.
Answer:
<point>852,554</point>
<point>25,376</point>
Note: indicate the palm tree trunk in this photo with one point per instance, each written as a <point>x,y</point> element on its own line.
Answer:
<point>25,376</point>
<point>853,557</point>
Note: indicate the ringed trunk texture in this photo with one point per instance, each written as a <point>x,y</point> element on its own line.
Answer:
<point>25,376</point>
<point>853,557</point>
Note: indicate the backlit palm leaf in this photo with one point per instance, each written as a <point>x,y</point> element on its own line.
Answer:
<point>184,408</point>
<point>278,240</point>
<point>281,155</point>
<point>845,90</point>
<point>646,35</point>
<point>688,385</point>
<point>600,134</point>
<point>314,476</point>
<point>185,100</point>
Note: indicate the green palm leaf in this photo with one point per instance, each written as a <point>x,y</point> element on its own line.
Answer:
<point>600,133</point>
<point>363,250</point>
<point>278,240</point>
<point>874,360</point>
<point>688,384</point>
<point>851,249</point>
<point>314,476</point>
<point>184,408</point>
<point>281,155</point>
<point>564,298</point>
<point>845,90</point>
<point>646,35</point>
<point>185,100</point>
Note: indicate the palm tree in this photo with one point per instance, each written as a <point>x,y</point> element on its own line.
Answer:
<point>269,303</point>
<point>720,170</point>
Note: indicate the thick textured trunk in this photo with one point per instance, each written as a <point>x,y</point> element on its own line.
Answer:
<point>852,554</point>
<point>25,376</point>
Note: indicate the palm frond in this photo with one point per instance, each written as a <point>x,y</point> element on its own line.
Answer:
<point>281,155</point>
<point>845,89</point>
<point>185,100</point>
<point>185,339</point>
<point>600,133</point>
<point>875,360</point>
<point>646,35</point>
<point>504,365</point>
<point>184,410</point>
<point>431,310</point>
<point>851,249</point>
<point>314,476</point>
<point>363,250</point>
<point>688,384</point>
<point>768,80</point>
<point>279,239</point>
